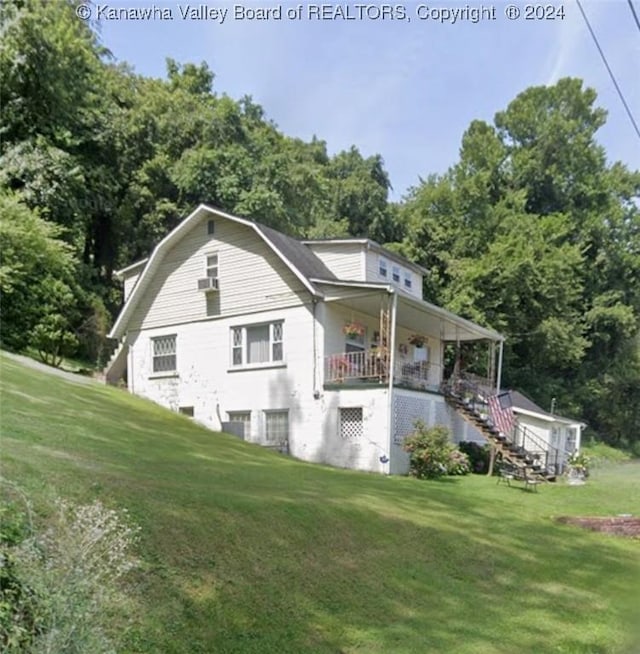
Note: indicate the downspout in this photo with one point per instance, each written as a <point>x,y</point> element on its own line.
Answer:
<point>499,377</point>
<point>392,363</point>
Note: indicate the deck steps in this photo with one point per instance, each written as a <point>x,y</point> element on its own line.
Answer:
<point>511,453</point>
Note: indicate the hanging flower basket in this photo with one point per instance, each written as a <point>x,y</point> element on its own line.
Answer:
<point>417,339</point>
<point>353,329</point>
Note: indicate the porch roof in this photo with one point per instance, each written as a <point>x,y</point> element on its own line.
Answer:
<point>413,313</point>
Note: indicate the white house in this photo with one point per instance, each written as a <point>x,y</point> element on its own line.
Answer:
<point>552,437</point>
<point>312,346</point>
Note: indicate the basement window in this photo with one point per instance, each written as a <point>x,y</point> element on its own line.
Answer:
<point>276,427</point>
<point>243,417</point>
<point>186,411</point>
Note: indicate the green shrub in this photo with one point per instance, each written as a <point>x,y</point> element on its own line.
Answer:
<point>479,456</point>
<point>59,586</point>
<point>432,455</point>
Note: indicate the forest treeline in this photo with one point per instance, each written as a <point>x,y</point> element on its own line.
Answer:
<point>532,232</point>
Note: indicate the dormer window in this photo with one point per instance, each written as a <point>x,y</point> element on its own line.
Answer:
<point>382,267</point>
<point>408,282</point>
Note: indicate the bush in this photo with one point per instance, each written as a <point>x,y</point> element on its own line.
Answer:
<point>432,455</point>
<point>479,456</point>
<point>59,588</point>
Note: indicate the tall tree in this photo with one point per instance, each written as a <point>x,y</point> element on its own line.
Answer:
<point>533,233</point>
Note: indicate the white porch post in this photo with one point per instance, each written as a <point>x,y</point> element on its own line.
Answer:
<point>499,377</point>
<point>392,364</point>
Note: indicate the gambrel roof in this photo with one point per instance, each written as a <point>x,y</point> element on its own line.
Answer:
<point>296,256</point>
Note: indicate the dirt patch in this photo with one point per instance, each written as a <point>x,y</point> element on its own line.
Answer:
<point>616,525</point>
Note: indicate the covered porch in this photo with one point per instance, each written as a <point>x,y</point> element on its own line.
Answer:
<point>376,335</point>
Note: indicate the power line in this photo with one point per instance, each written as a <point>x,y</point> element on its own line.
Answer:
<point>606,63</point>
<point>633,11</point>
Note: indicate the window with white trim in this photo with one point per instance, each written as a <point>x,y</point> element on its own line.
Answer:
<point>241,416</point>
<point>257,344</point>
<point>351,423</point>
<point>408,283</point>
<point>211,265</point>
<point>276,426</point>
<point>395,274</point>
<point>382,267</point>
<point>164,353</point>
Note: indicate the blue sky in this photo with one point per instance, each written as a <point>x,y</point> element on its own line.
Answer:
<point>406,89</point>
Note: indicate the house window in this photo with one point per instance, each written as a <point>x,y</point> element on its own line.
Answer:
<point>241,416</point>
<point>382,267</point>
<point>276,426</point>
<point>211,226</point>
<point>186,410</point>
<point>212,265</point>
<point>351,423</point>
<point>164,353</point>
<point>407,280</point>
<point>255,344</point>
<point>395,275</point>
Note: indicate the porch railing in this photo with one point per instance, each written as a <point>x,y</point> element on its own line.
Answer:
<point>366,365</point>
<point>373,365</point>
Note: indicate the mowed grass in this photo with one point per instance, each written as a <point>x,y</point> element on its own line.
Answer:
<point>247,551</point>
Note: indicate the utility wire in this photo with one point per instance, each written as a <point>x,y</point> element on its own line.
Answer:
<point>606,63</point>
<point>633,11</point>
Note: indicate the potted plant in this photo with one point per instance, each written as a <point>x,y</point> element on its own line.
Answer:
<point>418,340</point>
<point>577,468</point>
<point>353,329</point>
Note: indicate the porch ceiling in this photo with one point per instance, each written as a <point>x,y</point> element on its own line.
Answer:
<point>416,315</point>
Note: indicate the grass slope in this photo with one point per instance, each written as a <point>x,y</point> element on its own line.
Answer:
<point>248,551</point>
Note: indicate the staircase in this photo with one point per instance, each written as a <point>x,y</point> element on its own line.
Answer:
<point>469,401</point>
<point>117,364</point>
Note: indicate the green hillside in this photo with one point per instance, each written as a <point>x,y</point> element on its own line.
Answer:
<point>246,551</point>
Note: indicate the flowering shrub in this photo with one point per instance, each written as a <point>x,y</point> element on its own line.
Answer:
<point>432,455</point>
<point>458,463</point>
<point>67,580</point>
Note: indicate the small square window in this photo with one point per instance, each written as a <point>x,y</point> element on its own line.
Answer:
<point>382,268</point>
<point>186,410</point>
<point>407,280</point>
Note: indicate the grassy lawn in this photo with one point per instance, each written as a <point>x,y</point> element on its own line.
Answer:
<point>248,551</point>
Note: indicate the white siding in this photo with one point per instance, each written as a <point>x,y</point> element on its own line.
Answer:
<point>372,273</point>
<point>344,260</point>
<point>130,281</point>
<point>251,278</point>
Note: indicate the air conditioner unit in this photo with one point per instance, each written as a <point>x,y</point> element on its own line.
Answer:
<point>208,284</point>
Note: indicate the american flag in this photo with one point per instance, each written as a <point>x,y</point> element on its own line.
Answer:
<point>502,412</point>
